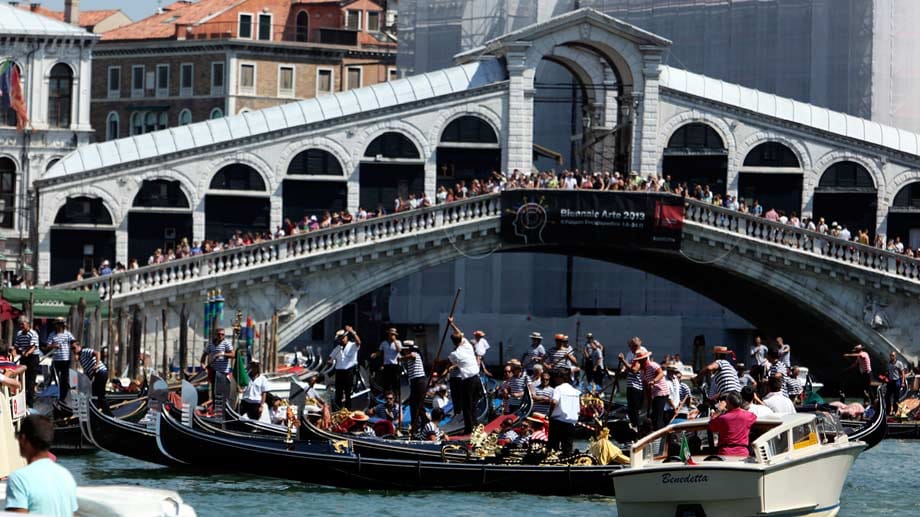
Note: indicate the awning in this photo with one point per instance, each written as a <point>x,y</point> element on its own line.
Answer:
<point>539,150</point>
<point>50,303</point>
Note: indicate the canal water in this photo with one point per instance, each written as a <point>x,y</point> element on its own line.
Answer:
<point>883,482</point>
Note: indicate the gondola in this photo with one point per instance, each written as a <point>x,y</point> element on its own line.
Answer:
<point>70,439</point>
<point>871,432</point>
<point>455,426</point>
<point>320,463</point>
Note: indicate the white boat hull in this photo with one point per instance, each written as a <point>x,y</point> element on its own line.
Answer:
<point>802,486</point>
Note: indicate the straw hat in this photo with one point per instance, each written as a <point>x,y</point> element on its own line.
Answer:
<point>339,333</point>
<point>536,335</point>
<point>537,418</point>
<point>858,348</point>
<point>358,416</point>
<point>392,331</point>
<point>641,353</point>
<point>559,337</point>
<point>720,350</point>
<point>479,333</point>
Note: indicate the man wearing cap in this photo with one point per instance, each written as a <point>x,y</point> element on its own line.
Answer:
<point>26,343</point>
<point>390,348</point>
<point>864,364</point>
<point>724,376</point>
<point>563,413</point>
<point>58,344</point>
<point>418,383</point>
<point>481,346</point>
<point>464,366</point>
<point>592,350</point>
<point>345,356</point>
<point>656,387</point>
<point>535,354</point>
<point>634,389</point>
<point>217,357</point>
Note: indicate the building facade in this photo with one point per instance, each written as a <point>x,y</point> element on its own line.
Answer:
<point>198,61</point>
<point>53,59</point>
<point>95,21</point>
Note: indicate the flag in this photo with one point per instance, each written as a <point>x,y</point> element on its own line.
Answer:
<point>685,450</point>
<point>17,101</point>
<point>239,371</point>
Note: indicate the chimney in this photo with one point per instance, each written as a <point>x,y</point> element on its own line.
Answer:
<point>72,12</point>
<point>34,6</point>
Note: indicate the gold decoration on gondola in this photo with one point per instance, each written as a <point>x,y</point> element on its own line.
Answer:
<point>450,452</point>
<point>483,444</point>
<point>340,416</point>
<point>341,446</point>
<point>290,421</point>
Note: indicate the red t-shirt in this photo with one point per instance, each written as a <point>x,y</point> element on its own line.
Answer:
<point>733,428</point>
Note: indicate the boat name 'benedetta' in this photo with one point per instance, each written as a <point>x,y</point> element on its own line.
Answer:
<point>667,478</point>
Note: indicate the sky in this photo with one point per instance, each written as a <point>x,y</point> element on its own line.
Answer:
<point>135,9</point>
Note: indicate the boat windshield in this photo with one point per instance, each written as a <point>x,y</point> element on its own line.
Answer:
<point>828,426</point>
<point>666,445</point>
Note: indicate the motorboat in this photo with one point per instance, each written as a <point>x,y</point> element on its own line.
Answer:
<point>788,455</point>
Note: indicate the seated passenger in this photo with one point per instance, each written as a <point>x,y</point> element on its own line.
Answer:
<point>507,434</point>
<point>357,424</point>
<point>733,425</point>
<point>314,403</point>
<point>389,409</point>
<point>431,431</point>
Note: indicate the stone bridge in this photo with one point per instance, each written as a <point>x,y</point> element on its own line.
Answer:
<point>772,274</point>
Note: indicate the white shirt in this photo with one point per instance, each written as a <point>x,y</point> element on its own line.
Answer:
<point>465,359</point>
<point>760,410</point>
<point>345,357</point>
<point>570,183</point>
<point>438,401</point>
<point>779,403</point>
<point>673,392</point>
<point>567,403</point>
<point>390,351</point>
<point>482,346</point>
<point>253,392</point>
<point>760,354</point>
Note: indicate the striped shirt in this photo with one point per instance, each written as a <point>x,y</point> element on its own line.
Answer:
<point>431,429</point>
<point>542,391</point>
<point>865,364</point>
<point>26,340</point>
<point>220,364</point>
<point>559,357</point>
<point>414,367</point>
<point>657,388</point>
<point>725,379</point>
<point>534,355</point>
<point>518,384</point>
<point>779,367</point>
<point>633,379</point>
<point>88,362</point>
<point>63,340</point>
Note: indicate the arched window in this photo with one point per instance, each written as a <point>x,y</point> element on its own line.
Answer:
<point>696,138</point>
<point>908,197</point>
<point>469,129</point>
<point>162,120</point>
<point>7,192</point>
<point>51,163</point>
<point>237,176</point>
<point>83,210</point>
<point>315,161</point>
<point>161,193</point>
<point>392,145</point>
<point>846,176</point>
<point>302,26</point>
<point>185,117</point>
<point>137,123</point>
<point>216,113</point>
<point>111,126</point>
<point>771,154</point>
<point>150,122</point>
<point>60,96</point>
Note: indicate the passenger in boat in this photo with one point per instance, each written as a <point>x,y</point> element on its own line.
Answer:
<point>733,425</point>
<point>254,393</point>
<point>678,394</point>
<point>777,400</point>
<point>507,434</point>
<point>26,347</point>
<point>440,399</point>
<point>58,345</point>
<point>389,409</point>
<point>745,377</point>
<point>635,393</point>
<point>724,377</point>
<point>535,354</point>
<point>216,358</point>
<point>465,366</point>
<point>42,487</point>
<point>345,356</point>
<point>538,429</point>
<point>542,394</point>
<point>418,383</point>
<point>313,402</point>
<point>785,352</point>
<point>389,348</point>
<point>656,388</point>
<point>357,424</point>
<point>95,369</point>
<point>864,363</point>
<point>778,369</point>
<point>897,377</point>
<point>432,430</point>
<point>564,409</point>
<point>794,386</point>
<point>481,346</point>
<point>750,402</point>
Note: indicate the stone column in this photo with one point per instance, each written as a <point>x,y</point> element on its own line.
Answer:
<point>645,130</point>
<point>198,221</point>
<point>121,242</point>
<point>276,208</point>
<point>353,190</point>
<point>519,122</point>
<point>808,194</point>
<point>83,84</point>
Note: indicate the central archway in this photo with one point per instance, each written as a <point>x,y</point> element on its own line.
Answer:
<point>696,155</point>
<point>82,238</point>
<point>237,202</point>
<point>314,184</point>
<point>160,217</point>
<point>772,176</point>
<point>391,168</point>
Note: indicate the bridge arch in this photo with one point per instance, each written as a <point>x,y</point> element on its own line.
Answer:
<point>160,217</point>
<point>468,148</point>
<point>904,215</point>
<point>696,153</point>
<point>314,184</point>
<point>82,236</point>
<point>237,203</point>
<point>771,174</point>
<point>392,167</point>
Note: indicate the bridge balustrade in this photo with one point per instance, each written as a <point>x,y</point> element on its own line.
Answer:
<point>444,216</point>
<point>292,247</point>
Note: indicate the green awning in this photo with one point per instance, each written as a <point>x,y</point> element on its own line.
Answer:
<point>58,311</point>
<point>58,296</point>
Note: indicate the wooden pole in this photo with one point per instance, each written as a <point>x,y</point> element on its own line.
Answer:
<point>111,340</point>
<point>274,343</point>
<point>165,341</point>
<point>437,357</point>
<point>183,339</point>
<point>80,320</point>
<point>156,338</point>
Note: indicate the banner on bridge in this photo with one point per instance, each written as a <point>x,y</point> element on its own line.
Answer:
<point>622,219</point>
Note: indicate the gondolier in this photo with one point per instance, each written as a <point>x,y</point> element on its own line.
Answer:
<point>95,369</point>
<point>724,376</point>
<point>390,348</point>
<point>864,363</point>
<point>535,354</point>
<point>345,357</point>
<point>58,344</point>
<point>418,384</point>
<point>464,362</point>
<point>897,375</point>
<point>26,344</point>
<point>634,389</point>
<point>216,358</point>
<point>564,408</point>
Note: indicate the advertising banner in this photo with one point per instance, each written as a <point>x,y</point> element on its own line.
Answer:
<point>589,217</point>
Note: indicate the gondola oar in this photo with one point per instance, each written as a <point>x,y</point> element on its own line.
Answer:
<point>437,357</point>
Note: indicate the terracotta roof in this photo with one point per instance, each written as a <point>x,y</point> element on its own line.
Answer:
<point>163,25</point>
<point>88,19</point>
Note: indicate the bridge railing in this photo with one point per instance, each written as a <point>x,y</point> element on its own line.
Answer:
<point>377,229</point>
<point>751,226</point>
